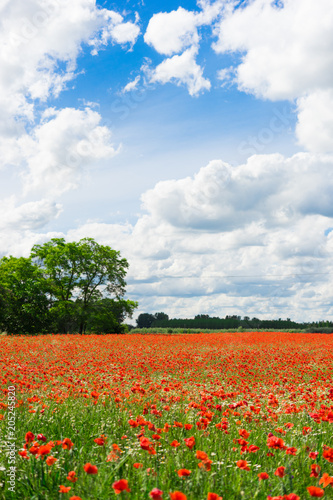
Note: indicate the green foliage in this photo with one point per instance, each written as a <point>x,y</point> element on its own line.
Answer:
<point>108,315</point>
<point>64,287</point>
<point>145,320</point>
<point>160,321</point>
<point>23,299</point>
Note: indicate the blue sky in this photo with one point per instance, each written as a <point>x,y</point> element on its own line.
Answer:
<point>196,138</point>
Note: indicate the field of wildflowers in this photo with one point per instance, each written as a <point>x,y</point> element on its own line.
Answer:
<point>201,416</point>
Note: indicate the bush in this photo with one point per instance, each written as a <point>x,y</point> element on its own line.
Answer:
<point>319,330</point>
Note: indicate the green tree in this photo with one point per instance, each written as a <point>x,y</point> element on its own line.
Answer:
<point>145,320</point>
<point>78,275</point>
<point>23,299</point>
<point>161,316</point>
<point>108,315</point>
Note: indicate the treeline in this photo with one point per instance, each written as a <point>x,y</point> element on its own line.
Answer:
<point>204,321</point>
<point>64,288</point>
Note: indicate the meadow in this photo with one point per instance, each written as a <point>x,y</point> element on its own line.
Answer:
<point>243,415</point>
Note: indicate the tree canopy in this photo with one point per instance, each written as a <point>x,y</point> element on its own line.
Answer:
<point>64,287</point>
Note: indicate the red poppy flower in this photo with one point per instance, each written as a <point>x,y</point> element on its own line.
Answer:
<point>64,489</point>
<point>188,427</point>
<point>147,445</point>
<point>100,441</point>
<point>67,444</point>
<point>263,475</point>
<point>213,496</point>
<point>29,437</point>
<point>314,491</point>
<point>183,472</point>
<point>242,464</point>
<point>201,455</point>
<point>275,442</point>
<point>177,424</point>
<point>178,495</point>
<point>34,450</point>
<point>121,485</point>
<point>138,466</point>
<point>205,464</point>
<point>328,454</point>
<point>90,469</point>
<point>51,460</point>
<point>156,494</point>
<point>291,451</point>
<point>315,469</point>
<point>175,444</point>
<point>72,476</point>
<point>75,498</point>
<point>313,455</point>
<point>289,425</point>
<point>280,471</point>
<point>326,480</point>
<point>190,442</point>
<point>41,437</point>
<point>44,449</point>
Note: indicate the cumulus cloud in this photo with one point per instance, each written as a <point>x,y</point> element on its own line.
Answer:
<point>286,53</point>
<point>182,70</point>
<point>315,121</point>
<point>231,240</point>
<point>175,32</point>
<point>115,30</point>
<point>37,37</point>
<point>65,143</point>
<point>171,32</point>
<point>222,198</point>
<point>27,216</point>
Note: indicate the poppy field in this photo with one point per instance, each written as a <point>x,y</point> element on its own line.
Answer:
<point>201,416</point>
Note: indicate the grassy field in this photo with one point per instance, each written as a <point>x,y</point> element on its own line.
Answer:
<point>245,415</point>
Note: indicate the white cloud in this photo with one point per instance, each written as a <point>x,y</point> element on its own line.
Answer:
<point>62,146</point>
<point>231,240</point>
<point>222,198</point>
<point>182,70</point>
<point>28,216</point>
<point>315,121</point>
<point>170,33</point>
<point>115,31</point>
<point>287,52</point>
<point>131,85</point>
<point>36,36</point>
<point>175,32</point>
<point>226,75</point>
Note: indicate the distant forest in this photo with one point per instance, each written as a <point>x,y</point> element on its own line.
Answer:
<point>204,321</point>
